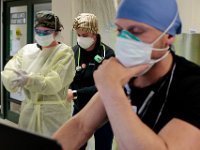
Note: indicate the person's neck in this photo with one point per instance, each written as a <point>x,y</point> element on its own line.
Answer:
<point>155,73</point>
<point>54,43</point>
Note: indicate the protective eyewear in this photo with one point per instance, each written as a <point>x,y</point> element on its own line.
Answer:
<point>44,32</point>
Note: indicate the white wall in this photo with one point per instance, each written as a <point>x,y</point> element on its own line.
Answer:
<point>63,10</point>
<point>68,9</point>
<point>190,14</point>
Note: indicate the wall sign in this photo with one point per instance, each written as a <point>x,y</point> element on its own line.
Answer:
<point>18,18</point>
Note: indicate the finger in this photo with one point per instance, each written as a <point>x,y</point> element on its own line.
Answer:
<point>15,71</point>
<point>18,72</point>
<point>15,84</point>
<point>15,81</point>
<point>110,60</point>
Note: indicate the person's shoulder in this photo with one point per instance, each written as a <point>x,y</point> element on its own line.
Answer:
<point>29,48</point>
<point>109,50</point>
<point>31,45</point>
<point>106,46</point>
<point>187,73</point>
<point>75,47</point>
<point>64,46</point>
<point>187,66</point>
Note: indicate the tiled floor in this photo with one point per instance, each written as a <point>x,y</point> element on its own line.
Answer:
<point>7,122</point>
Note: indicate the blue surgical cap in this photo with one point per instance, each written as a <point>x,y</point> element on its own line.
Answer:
<point>156,13</point>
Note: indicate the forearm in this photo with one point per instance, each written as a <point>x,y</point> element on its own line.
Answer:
<point>75,132</point>
<point>8,75</point>
<point>128,129</point>
<point>71,135</point>
<point>59,75</point>
<point>6,78</point>
<point>91,90</point>
<point>45,84</point>
<point>84,95</point>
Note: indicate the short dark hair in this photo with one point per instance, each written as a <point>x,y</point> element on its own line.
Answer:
<point>48,19</point>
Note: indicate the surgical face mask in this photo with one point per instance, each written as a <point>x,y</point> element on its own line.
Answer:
<point>44,40</point>
<point>130,51</point>
<point>85,42</point>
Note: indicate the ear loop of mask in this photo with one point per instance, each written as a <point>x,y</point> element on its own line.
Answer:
<point>55,17</point>
<point>169,27</point>
<point>160,49</point>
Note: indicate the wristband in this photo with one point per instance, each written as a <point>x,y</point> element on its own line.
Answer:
<point>74,94</point>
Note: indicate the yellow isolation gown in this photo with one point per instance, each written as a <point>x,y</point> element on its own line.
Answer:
<point>50,72</point>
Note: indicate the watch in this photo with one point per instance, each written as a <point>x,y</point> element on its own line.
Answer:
<point>75,94</point>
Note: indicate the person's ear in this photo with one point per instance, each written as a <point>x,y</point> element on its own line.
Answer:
<point>94,36</point>
<point>170,39</point>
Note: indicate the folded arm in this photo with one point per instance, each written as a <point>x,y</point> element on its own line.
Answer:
<point>8,75</point>
<point>61,73</point>
<point>80,127</point>
<point>130,132</point>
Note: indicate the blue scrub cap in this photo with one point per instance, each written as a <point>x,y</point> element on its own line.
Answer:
<point>156,13</point>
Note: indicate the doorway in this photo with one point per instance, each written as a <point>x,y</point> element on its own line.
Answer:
<point>18,30</point>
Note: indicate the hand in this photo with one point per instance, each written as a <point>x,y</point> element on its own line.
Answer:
<point>21,80</point>
<point>112,74</point>
<point>70,95</point>
<point>21,72</point>
<point>18,72</point>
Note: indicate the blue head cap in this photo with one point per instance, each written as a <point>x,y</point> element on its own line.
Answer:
<point>156,13</point>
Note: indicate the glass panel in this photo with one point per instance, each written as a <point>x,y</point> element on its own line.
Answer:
<point>43,6</point>
<point>18,28</point>
<point>18,38</point>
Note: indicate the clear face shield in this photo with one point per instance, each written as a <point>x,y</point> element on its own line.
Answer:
<point>46,26</point>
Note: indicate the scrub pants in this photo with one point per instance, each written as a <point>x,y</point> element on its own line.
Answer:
<point>103,137</point>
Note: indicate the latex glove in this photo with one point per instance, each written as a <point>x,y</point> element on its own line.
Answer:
<point>22,78</point>
<point>20,81</point>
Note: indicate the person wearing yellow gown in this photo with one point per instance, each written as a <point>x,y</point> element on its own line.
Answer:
<point>44,71</point>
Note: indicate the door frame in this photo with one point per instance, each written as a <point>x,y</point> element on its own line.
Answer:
<point>7,4</point>
<point>1,62</point>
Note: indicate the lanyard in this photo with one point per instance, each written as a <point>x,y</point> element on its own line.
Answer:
<point>166,96</point>
<point>144,107</point>
<point>97,58</point>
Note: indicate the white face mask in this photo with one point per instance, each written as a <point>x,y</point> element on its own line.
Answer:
<point>85,42</point>
<point>44,40</point>
<point>130,51</point>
